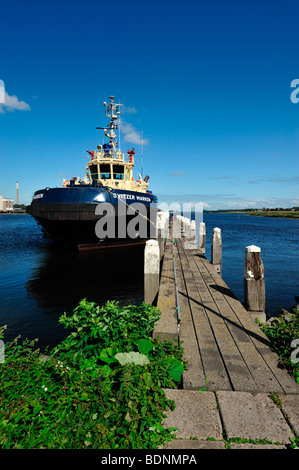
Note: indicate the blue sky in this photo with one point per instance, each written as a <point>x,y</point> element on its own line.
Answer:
<point>207,86</point>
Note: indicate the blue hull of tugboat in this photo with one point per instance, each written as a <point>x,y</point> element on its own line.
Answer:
<point>68,214</point>
<point>91,195</point>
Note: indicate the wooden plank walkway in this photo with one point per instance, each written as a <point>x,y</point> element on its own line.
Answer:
<point>224,347</point>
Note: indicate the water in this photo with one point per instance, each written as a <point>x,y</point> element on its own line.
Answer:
<point>38,282</point>
<point>278,240</point>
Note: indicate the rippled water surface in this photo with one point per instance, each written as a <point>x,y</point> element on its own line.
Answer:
<point>39,281</point>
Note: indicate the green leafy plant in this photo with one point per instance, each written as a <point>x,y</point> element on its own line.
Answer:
<point>100,388</point>
<point>281,334</point>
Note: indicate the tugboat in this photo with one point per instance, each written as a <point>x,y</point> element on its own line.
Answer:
<point>107,207</point>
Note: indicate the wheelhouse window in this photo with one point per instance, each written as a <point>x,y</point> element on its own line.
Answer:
<point>93,172</point>
<point>118,172</point>
<point>105,171</point>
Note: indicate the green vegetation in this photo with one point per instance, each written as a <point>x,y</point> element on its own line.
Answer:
<point>289,213</point>
<point>285,214</point>
<point>100,388</point>
<point>283,333</point>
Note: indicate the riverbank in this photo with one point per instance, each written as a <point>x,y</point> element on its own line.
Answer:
<point>13,213</point>
<point>280,214</point>
<point>82,396</point>
<point>284,214</point>
<point>100,388</point>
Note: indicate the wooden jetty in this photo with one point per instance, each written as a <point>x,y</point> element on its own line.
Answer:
<point>225,348</point>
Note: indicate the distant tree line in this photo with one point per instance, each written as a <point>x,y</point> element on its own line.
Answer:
<point>254,209</point>
<point>19,207</point>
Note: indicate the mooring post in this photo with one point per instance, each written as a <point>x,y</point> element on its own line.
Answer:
<point>161,232</point>
<point>176,227</point>
<point>181,226</point>
<point>217,250</point>
<point>151,271</point>
<point>182,219</point>
<point>190,244</point>
<point>254,283</point>
<point>202,238</point>
<point>193,230</point>
<point>166,224</point>
<point>187,228</point>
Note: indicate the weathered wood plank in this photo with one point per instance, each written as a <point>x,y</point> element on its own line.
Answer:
<point>167,325</point>
<point>259,339</point>
<point>213,364</point>
<point>263,376</point>
<point>194,377</point>
<point>224,347</point>
<point>237,369</point>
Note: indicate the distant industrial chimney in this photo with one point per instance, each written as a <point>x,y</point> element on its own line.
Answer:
<point>17,187</point>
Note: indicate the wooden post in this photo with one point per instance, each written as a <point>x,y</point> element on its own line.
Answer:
<point>180,226</point>
<point>160,232</point>
<point>166,224</point>
<point>193,230</point>
<point>187,228</point>
<point>151,271</point>
<point>176,227</point>
<point>202,238</point>
<point>217,250</point>
<point>182,219</point>
<point>254,283</point>
<point>190,244</point>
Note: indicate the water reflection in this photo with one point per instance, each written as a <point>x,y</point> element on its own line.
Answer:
<point>64,277</point>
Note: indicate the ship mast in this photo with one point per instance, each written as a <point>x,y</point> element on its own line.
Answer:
<point>112,111</point>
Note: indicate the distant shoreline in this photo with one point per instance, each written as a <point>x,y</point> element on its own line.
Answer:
<point>13,213</point>
<point>268,213</point>
<point>293,215</point>
<point>282,215</point>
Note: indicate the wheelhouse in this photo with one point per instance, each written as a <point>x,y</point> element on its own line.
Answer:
<point>108,165</point>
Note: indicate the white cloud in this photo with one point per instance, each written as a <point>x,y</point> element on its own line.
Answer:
<point>131,134</point>
<point>177,173</point>
<point>12,103</point>
<point>129,110</point>
<point>277,179</point>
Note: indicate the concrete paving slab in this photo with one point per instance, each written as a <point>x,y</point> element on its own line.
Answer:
<point>249,416</point>
<point>194,444</point>
<point>290,409</point>
<point>234,445</point>
<point>195,415</point>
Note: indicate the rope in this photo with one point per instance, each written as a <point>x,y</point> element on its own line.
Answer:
<point>129,205</point>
